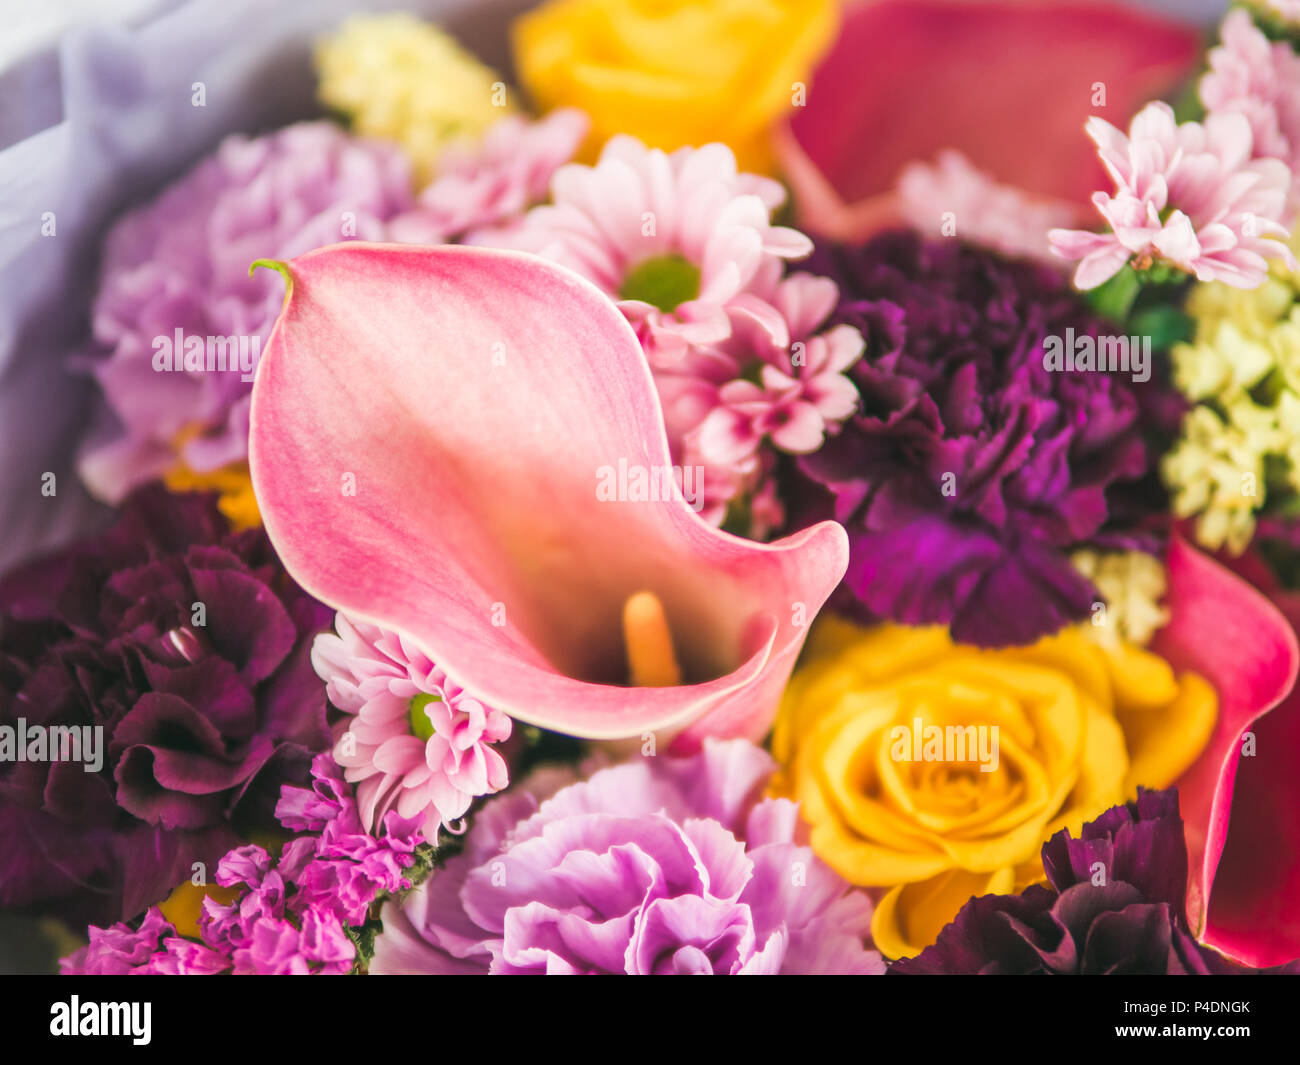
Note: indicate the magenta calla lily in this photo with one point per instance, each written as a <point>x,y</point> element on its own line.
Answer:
<point>1244,875</point>
<point>430,429</point>
<point>1007,83</point>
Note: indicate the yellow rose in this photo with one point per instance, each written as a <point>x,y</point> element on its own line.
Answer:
<point>675,72</point>
<point>936,770</point>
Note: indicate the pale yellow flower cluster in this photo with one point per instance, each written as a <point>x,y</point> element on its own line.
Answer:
<point>1132,585</point>
<point>399,78</point>
<point>1241,441</point>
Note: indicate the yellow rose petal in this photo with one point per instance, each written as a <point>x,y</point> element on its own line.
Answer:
<point>674,73</point>
<point>910,917</point>
<point>184,905</point>
<point>1164,743</point>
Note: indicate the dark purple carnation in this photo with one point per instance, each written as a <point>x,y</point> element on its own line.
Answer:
<point>189,645</point>
<point>1116,905</point>
<point>970,470</point>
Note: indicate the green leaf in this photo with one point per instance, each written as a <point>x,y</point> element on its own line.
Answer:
<point>1114,299</point>
<point>1166,325</point>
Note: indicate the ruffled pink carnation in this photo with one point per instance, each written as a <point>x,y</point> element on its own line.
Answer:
<point>491,182</point>
<point>983,212</point>
<point>417,743</point>
<point>1260,79</point>
<point>1192,195</point>
<point>658,866</point>
<point>686,245</point>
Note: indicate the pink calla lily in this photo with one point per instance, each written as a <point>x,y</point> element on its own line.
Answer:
<point>1242,840</point>
<point>430,427</point>
<point>1007,83</point>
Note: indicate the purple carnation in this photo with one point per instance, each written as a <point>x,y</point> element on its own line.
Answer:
<point>182,263</point>
<point>656,866</point>
<point>970,470</point>
<point>187,647</point>
<point>1116,905</point>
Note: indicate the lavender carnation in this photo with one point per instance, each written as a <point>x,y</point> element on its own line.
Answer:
<point>970,471</point>
<point>656,866</point>
<point>182,263</point>
<point>188,648</point>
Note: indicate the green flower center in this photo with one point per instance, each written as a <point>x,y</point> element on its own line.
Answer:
<point>421,726</point>
<point>666,281</point>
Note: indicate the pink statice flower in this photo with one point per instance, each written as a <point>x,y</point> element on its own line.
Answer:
<point>982,211</point>
<point>291,915</point>
<point>416,743</point>
<point>490,183</point>
<point>153,948</point>
<point>342,870</point>
<point>288,916</point>
<point>685,244</point>
<point>1191,195</point>
<point>1260,79</point>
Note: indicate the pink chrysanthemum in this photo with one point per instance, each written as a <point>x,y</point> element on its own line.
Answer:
<point>490,183</point>
<point>1190,195</point>
<point>686,245</point>
<point>983,212</point>
<point>1260,79</point>
<point>417,742</point>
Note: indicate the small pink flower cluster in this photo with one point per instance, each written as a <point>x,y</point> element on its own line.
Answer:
<point>491,183</point>
<point>416,742</point>
<point>1259,79</point>
<point>1193,195</point>
<point>686,245</point>
<point>982,211</point>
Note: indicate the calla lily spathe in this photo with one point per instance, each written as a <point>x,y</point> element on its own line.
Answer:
<point>429,429</point>
<point>909,79</point>
<point>1244,862</point>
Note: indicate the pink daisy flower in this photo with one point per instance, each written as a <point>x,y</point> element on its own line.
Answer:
<point>685,244</point>
<point>679,240</point>
<point>1000,217</point>
<point>1260,79</point>
<point>793,406</point>
<point>490,183</point>
<point>416,743</point>
<point>1191,195</point>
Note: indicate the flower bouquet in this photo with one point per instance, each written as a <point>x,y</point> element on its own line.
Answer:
<point>746,486</point>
